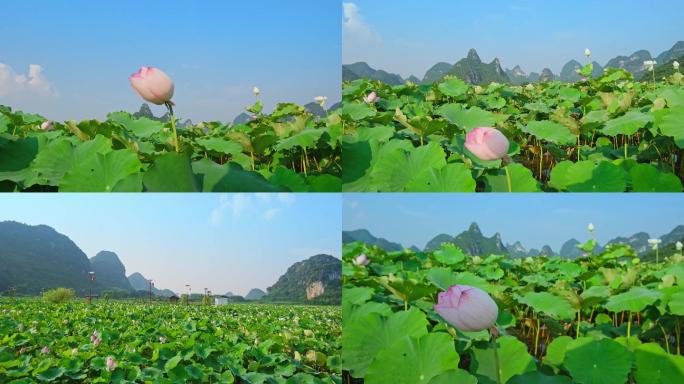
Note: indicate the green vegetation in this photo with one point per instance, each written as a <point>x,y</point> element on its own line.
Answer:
<point>243,343</point>
<point>609,134</point>
<point>58,295</point>
<point>606,318</point>
<point>287,150</point>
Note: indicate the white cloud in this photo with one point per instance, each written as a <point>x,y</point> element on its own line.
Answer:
<point>236,203</point>
<point>266,205</point>
<point>355,27</point>
<point>286,198</point>
<point>271,213</point>
<point>35,84</point>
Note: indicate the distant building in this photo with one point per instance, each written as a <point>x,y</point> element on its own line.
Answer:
<point>221,300</point>
<point>174,299</point>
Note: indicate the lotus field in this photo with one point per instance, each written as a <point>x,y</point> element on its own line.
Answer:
<point>445,317</point>
<point>287,150</point>
<point>126,342</point>
<point>598,135</point>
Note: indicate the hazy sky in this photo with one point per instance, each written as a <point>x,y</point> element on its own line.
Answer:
<point>81,53</point>
<point>224,242</point>
<point>533,219</point>
<point>408,36</point>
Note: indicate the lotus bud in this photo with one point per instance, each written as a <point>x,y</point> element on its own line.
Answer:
<point>467,308</point>
<point>675,64</point>
<point>111,364</point>
<point>590,227</point>
<point>362,259</point>
<point>46,126</point>
<point>256,91</point>
<point>371,98</point>
<point>487,143</point>
<point>587,52</point>
<point>153,85</point>
<point>679,246</point>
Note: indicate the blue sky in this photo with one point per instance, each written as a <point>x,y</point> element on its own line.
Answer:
<point>408,36</point>
<point>533,219</point>
<point>215,51</point>
<point>224,242</point>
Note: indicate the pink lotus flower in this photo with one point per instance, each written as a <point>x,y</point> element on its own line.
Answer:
<point>153,85</point>
<point>467,308</point>
<point>46,126</point>
<point>371,98</point>
<point>111,364</point>
<point>487,143</point>
<point>362,259</point>
<point>95,338</point>
<point>45,350</point>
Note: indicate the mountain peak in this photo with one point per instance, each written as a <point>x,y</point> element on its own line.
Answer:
<point>474,228</point>
<point>473,56</point>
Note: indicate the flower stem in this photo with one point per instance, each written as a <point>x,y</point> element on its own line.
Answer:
<point>508,179</point>
<point>541,162</point>
<point>536,338</point>
<point>629,325</point>
<point>667,343</point>
<point>173,125</point>
<point>496,359</point>
<point>579,319</point>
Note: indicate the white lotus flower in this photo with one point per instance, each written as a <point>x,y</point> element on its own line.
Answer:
<point>362,259</point>
<point>587,52</point>
<point>675,64</point>
<point>650,65</point>
<point>654,243</point>
<point>320,100</point>
<point>679,246</point>
<point>256,91</point>
<point>590,227</point>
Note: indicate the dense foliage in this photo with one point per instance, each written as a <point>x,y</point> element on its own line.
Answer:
<point>605,134</point>
<point>605,318</point>
<point>287,150</point>
<point>241,343</point>
<point>58,295</point>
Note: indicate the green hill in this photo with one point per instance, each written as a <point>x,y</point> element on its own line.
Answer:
<point>255,294</point>
<point>437,72</point>
<point>358,70</point>
<point>317,280</point>
<point>365,236</point>
<point>473,71</point>
<point>110,273</point>
<point>37,258</point>
<point>633,63</point>
<point>472,241</point>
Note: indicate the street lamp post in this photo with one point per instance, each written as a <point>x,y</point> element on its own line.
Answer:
<point>91,278</point>
<point>189,292</point>
<point>151,285</point>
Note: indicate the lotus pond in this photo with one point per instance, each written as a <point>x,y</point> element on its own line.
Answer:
<point>607,318</point>
<point>126,342</point>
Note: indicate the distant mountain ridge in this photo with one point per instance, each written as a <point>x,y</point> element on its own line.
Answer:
<point>34,258</point>
<point>472,70</point>
<point>474,243</point>
<point>365,236</point>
